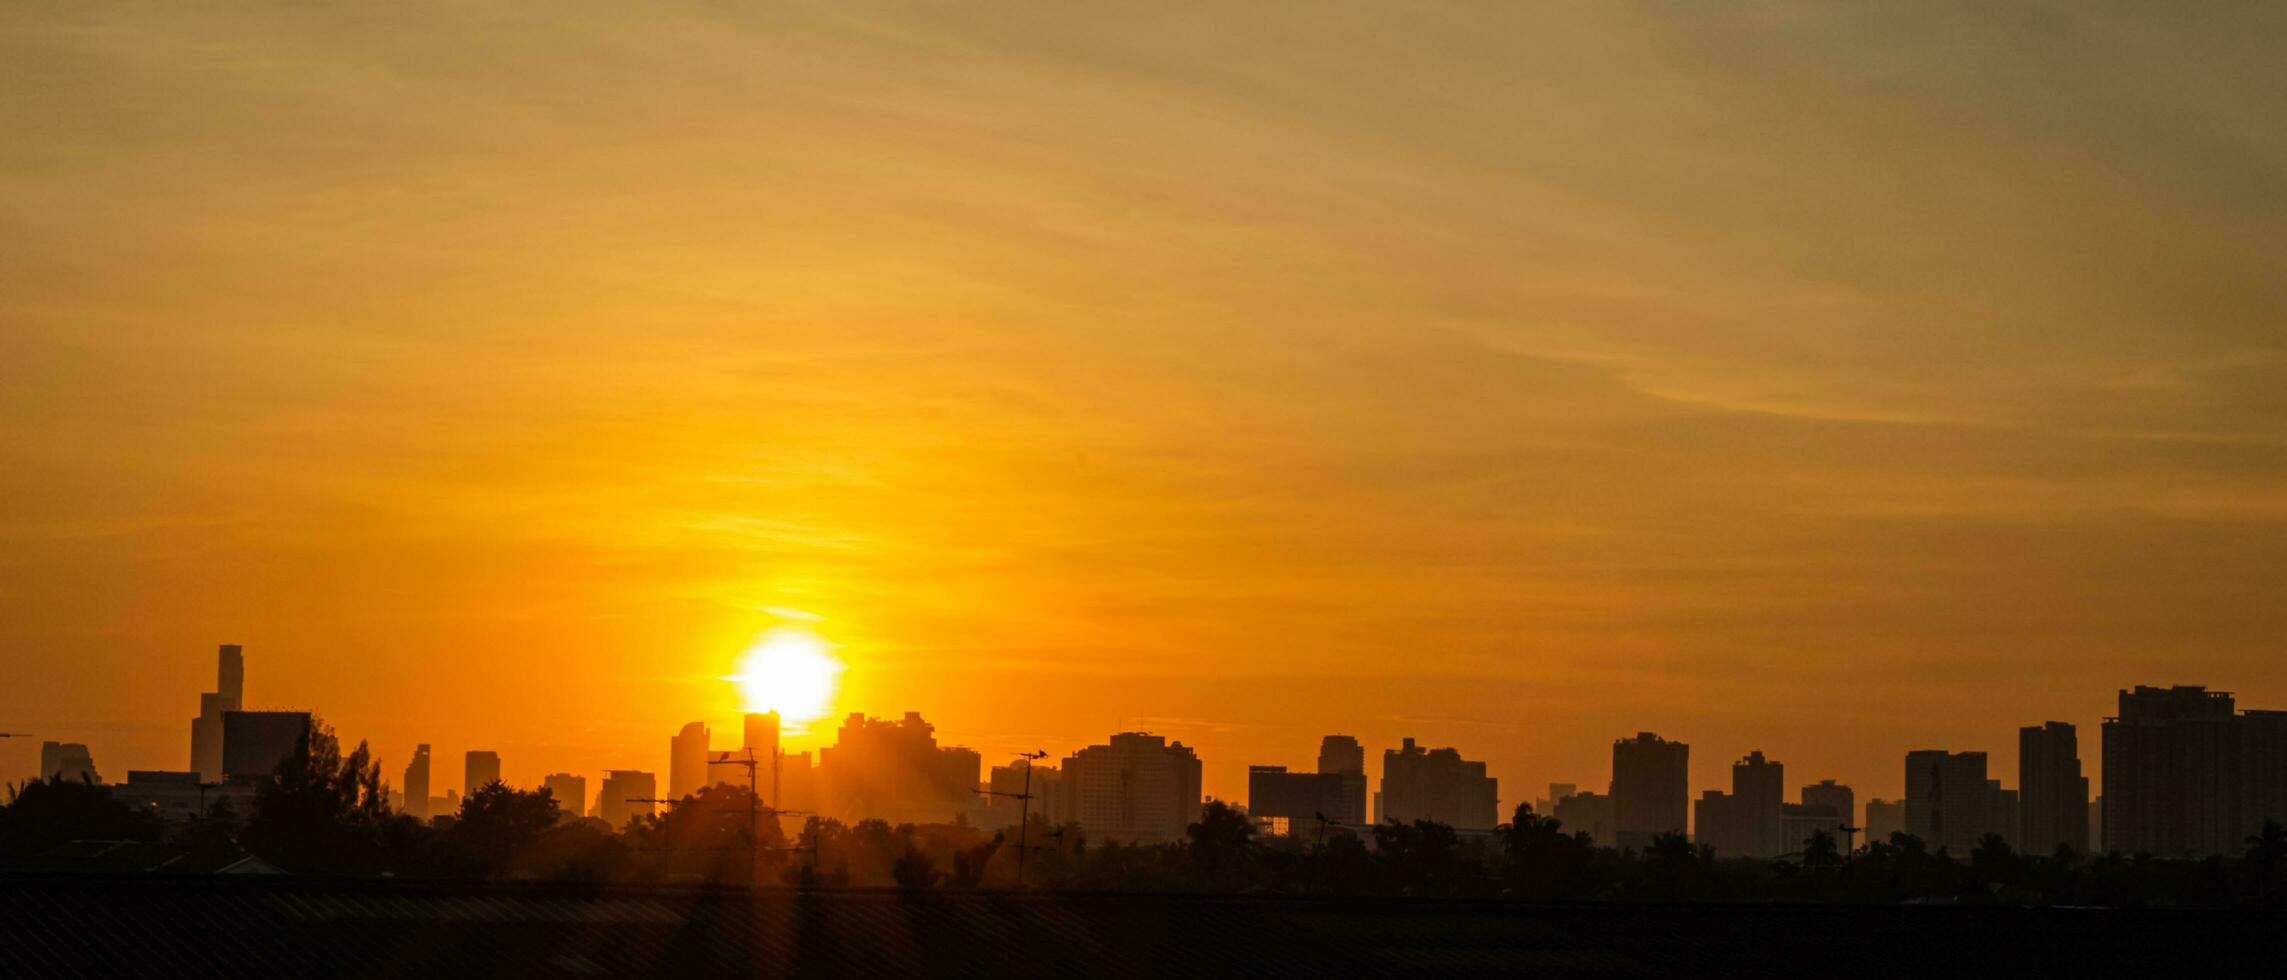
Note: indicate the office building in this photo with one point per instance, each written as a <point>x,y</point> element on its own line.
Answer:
<point>1799,822</point>
<point>1437,785</point>
<point>417,804</point>
<point>1749,820</point>
<point>569,791</point>
<point>68,761</point>
<point>480,768</point>
<point>1137,788</point>
<point>1949,802</point>
<point>623,795</point>
<point>1651,788</point>
<point>1296,802</point>
<point>228,695</point>
<point>687,754</point>
<point>255,742</point>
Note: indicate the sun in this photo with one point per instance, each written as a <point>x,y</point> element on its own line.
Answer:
<point>789,670</point>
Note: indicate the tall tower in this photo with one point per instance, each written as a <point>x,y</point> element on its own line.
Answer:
<point>2052,795</point>
<point>1651,788</point>
<point>482,768</point>
<point>228,695</point>
<point>762,739</point>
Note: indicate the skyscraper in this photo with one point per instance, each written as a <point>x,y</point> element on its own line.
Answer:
<point>1949,803</point>
<point>1651,788</point>
<point>621,787</point>
<point>687,770</point>
<point>569,791</point>
<point>2052,795</point>
<point>762,740</point>
<point>228,695</point>
<point>481,768</point>
<point>893,770</point>
<point>1439,785</point>
<point>417,783</point>
<point>1136,788</point>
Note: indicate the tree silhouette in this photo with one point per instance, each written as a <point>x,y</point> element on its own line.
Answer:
<point>320,811</point>
<point>1219,842</point>
<point>43,813</point>
<point>498,823</point>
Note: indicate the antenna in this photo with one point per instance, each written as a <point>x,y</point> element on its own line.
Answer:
<point>1024,809</point>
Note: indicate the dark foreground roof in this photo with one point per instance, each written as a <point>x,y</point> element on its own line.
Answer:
<point>102,926</point>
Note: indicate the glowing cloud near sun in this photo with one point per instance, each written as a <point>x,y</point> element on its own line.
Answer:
<point>789,670</point>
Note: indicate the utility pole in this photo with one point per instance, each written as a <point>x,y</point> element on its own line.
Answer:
<point>1024,809</point>
<point>666,834</point>
<point>1849,839</point>
<point>753,807</point>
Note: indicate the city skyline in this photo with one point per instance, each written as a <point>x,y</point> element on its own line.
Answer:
<point>1952,797</point>
<point>1824,381</point>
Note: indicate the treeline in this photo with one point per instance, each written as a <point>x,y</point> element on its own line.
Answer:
<point>326,813</point>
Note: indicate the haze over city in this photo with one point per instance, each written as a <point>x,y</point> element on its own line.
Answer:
<point>1514,379</point>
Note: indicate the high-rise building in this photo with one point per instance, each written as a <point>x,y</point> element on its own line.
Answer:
<point>417,784</point>
<point>1138,788</point>
<point>762,740</point>
<point>1834,796</point>
<point>687,770</point>
<point>1883,818</point>
<point>1949,803</point>
<point>1437,785</point>
<point>1546,805</point>
<point>228,695</point>
<point>1589,812</point>
<point>569,791</point>
<point>68,761</point>
<point>616,801</point>
<point>2052,794</point>
<point>1800,822</point>
<point>1010,785</point>
<point>1651,788</point>
<point>255,742</point>
<point>1341,755</point>
<point>892,770</point>
<point>2174,785</point>
<point>480,768</point>
<point>1746,822</point>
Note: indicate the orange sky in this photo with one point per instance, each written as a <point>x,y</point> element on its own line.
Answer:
<point>1830,382</point>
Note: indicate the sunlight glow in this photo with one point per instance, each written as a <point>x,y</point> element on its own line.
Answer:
<point>792,671</point>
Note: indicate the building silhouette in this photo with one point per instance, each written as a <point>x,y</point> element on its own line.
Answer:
<point>2052,795</point>
<point>1883,818</point>
<point>480,768</point>
<point>417,802</point>
<point>1343,755</point>
<point>1588,812</point>
<point>1799,822</point>
<point>623,794</point>
<point>1749,820</point>
<point>1546,805</point>
<point>2186,774</point>
<point>687,755</point>
<point>255,742</point>
<point>1949,802</point>
<point>1834,796</point>
<point>228,695</point>
<point>569,791</point>
<point>891,770</point>
<point>68,761</point>
<point>1438,785</point>
<point>1137,788</point>
<point>1009,784</point>
<point>1651,788</point>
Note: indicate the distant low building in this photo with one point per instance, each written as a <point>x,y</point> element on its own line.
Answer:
<point>1587,812</point>
<point>1884,818</point>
